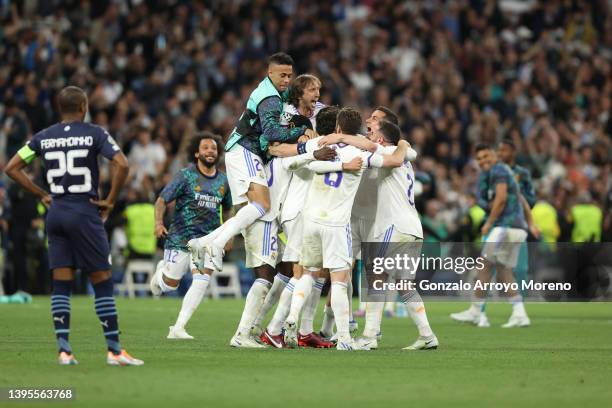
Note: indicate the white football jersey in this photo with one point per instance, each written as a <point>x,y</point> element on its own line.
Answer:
<point>395,200</point>
<point>331,195</point>
<point>290,110</point>
<point>280,172</point>
<point>299,185</point>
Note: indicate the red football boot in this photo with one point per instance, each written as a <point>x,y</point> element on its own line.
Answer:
<point>314,340</point>
<point>277,341</point>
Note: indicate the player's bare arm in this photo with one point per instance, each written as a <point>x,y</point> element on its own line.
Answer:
<point>160,210</point>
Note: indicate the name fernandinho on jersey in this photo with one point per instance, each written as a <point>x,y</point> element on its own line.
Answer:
<point>72,141</point>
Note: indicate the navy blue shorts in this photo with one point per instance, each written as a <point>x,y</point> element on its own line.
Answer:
<point>77,238</point>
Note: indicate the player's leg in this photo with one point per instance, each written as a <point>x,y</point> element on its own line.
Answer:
<point>62,263</point>
<point>273,333</point>
<point>340,306</point>
<point>92,253</point>
<point>106,311</point>
<point>249,186</point>
<point>170,271</point>
<point>337,256</point>
<point>63,279</point>
<point>261,245</point>
<point>475,313</point>
<point>306,335</point>
<point>327,324</point>
<point>192,299</point>
<point>508,259</point>
<point>281,279</point>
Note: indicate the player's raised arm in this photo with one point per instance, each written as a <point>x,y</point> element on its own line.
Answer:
<point>14,169</point>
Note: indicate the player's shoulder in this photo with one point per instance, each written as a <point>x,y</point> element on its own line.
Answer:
<point>523,171</point>
<point>501,169</point>
<point>318,107</point>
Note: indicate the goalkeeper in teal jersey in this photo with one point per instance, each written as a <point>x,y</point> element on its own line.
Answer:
<point>202,198</point>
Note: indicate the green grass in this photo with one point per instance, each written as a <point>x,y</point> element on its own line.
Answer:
<point>564,359</point>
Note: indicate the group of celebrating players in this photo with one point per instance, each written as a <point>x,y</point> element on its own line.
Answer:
<point>327,190</point>
<point>293,166</point>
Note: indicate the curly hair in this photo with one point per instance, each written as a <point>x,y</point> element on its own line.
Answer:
<point>194,145</point>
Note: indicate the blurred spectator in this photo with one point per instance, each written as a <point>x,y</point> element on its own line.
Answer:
<point>457,72</point>
<point>140,226</point>
<point>24,224</point>
<point>14,129</point>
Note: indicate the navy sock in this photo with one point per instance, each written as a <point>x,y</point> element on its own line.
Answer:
<point>107,313</point>
<point>60,312</point>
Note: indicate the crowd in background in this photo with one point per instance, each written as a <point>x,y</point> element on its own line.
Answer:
<point>456,72</point>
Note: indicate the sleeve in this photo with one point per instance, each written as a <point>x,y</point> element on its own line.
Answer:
<point>31,149</point>
<point>319,166</point>
<point>499,176</point>
<point>312,144</point>
<point>481,193</point>
<point>527,188</point>
<point>107,146</point>
<point>411,154</point>
<point>295,162</point>
<point>174,188</point>
<point>371,160</point>
<point>269,112</point>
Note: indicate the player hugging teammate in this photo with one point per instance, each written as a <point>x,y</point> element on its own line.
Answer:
<point>289,179</point>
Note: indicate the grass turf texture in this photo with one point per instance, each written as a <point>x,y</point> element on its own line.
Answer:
<point>564,359</point>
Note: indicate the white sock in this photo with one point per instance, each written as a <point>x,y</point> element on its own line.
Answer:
<point>302,291</point>
<point>416,310</point>
<point>280,281</point>
<point>328,321</point>
<point>349,291</point>
<point>518,307</point>
<point>163,286</point>
<point>192,298</point>
<point>340,305</point>
<point>282,310</point>
<point>253,303</point>
<point>373,318</point>
<point>243,218</point>
<point>477,306</point>
<point>310,308</point>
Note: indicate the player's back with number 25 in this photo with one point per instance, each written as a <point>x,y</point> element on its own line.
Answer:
<point>70,154</point>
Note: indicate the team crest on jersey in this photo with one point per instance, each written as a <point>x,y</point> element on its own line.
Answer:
<point>222,190</point>
<point>198,188</point>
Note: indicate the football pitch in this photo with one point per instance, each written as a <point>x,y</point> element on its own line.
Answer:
<point>564,359</point>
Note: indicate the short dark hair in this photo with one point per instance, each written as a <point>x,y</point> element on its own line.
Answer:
<point>280,58</point>
<point>194,145</point>
<point>482,146</point>
<point>297,87</point>
<point>326,120</point>
<point>70,99</point>
<point>390,131</point>
<point>390,116</point>
<point>300,120</point>
<point>508,142</point>
<point>349,121</point>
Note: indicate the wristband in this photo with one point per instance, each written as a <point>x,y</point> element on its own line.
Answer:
<point>301,148</point>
